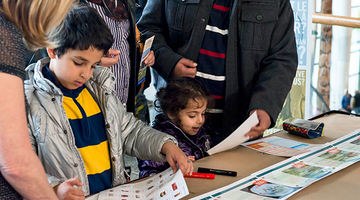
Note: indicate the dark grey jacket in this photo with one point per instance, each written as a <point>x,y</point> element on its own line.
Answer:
<point>261,57</point>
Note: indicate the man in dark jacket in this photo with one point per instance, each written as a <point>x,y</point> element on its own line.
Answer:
<point>254,48</point>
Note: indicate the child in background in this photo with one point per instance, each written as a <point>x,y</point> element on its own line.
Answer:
<point>183,103</point>
<point>77,125</point>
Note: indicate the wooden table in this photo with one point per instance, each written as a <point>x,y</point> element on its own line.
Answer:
<point>344,184</point>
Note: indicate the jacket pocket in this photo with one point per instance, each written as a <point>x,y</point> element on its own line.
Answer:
<point>180,14</point>
<point>257,23</point>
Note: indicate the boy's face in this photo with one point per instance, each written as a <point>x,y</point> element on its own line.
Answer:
<point>193,116</point>
<point>75,67</point>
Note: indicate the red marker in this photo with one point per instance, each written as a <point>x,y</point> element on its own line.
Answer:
<point>201,175</point>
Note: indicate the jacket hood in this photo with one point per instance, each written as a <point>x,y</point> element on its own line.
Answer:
<point>101,76</point>
<point>37,80</point>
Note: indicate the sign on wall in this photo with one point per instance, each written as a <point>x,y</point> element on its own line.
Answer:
<point>302,23</point>
<point>296,105</point>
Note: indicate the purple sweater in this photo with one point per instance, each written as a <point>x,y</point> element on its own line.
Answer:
<point>191,145</point>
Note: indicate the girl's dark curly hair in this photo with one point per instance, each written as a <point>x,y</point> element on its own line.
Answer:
<point>177,93</point>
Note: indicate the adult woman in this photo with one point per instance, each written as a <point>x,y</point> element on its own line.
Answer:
<point>31,21</point>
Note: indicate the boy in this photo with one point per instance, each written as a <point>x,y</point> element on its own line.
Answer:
<point>77,125</point>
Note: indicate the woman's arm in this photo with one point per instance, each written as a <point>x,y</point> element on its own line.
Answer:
<point>18,163</point>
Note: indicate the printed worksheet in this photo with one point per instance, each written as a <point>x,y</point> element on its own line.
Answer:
<point>338,154</point>
<point>334,157</point>
<point>251,189</point>
<point>237,137</point>
<point>353,145</point>
<point>298,174</point>
<point>270,190</point>
<point>281,147</point>
<point>163,186</point>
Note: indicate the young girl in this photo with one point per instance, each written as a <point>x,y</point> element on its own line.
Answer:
<point>183,103</point>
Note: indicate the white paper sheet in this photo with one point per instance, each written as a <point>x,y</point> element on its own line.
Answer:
<point>237,137</point>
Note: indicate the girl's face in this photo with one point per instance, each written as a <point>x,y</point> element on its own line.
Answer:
<point>193,116</point>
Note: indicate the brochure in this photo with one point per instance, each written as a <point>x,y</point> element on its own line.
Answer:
<point>165,185</point>
<point>281,147</point>
<point>145,54</point>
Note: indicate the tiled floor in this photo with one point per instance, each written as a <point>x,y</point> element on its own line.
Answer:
<point>132,162</point>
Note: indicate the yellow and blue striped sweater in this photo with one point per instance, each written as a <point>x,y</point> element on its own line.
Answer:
<point>88,126</point>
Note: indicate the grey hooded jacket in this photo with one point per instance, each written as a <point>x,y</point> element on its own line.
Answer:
<point>53,140</point>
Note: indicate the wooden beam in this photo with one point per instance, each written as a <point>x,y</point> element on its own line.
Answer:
<point>336,20</point>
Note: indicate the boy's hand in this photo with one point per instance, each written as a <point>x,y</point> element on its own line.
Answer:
<point>264,123</point>
<point>175,155</point>
<point>191,158</point>
<point>67,191</point>
<point>150,59</point>
<point>110,59</point>
<point>185,67</point>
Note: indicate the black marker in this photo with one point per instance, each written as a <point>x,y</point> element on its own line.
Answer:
<point>217,171</point>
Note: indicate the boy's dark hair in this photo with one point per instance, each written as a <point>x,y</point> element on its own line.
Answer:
<point>83,28</point>
<point>177,93</point>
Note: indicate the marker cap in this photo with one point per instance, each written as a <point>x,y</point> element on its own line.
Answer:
<point>201,175</point>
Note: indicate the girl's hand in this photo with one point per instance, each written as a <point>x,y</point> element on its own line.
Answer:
<point>174,156</point>
<point>67,191</point>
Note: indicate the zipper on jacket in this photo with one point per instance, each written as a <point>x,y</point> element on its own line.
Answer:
<point>71,143</point>
<point>202,153</point>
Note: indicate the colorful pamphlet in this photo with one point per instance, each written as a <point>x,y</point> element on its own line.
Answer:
<point>280,146</point>
<point>165,185</point>
<point>145,54</point>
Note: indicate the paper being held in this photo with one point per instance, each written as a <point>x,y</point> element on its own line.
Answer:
<point>145,54</point>
<point>237,137</point>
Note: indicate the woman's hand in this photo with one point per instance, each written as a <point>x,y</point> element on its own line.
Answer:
<point>110,59</point>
